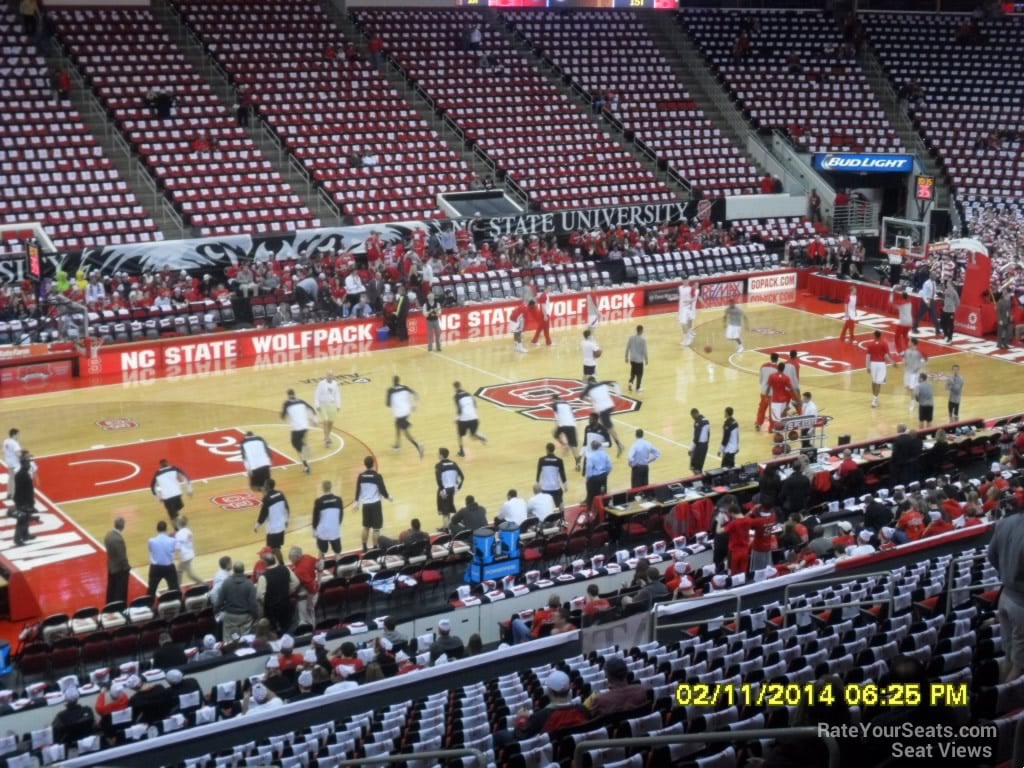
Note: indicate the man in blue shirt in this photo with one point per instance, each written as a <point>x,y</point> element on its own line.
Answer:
<point>161,559</point>
<point>599,466</point>
<point>641,455</point>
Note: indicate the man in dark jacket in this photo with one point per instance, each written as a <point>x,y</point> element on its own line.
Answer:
<point>469,518</point>
<point>796,490</point>
<point>906,453</point>
<point>274,591</point>
<point>621,695</point>
<point>74,722</point>
<point>24,499</point>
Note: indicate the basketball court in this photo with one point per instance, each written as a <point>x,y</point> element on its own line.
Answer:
<point>98,447</point>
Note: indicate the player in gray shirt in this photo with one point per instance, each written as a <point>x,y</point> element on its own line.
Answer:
<point>955,388</point>
<point>925,396</point>
<point>636,356</point>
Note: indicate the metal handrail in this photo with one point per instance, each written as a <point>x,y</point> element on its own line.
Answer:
<point>689,738</point>
<point>695,603</point>
<point>834,580</point>
<point>431,754</point>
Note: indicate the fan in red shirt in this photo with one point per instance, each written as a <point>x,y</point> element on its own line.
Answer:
<point>876,359</point>
<point>939,524</point>
<point>738,530</point>
<point>307,570</point>
<point>594,603</point>
<point>780,393</point>
<point>911,523</point>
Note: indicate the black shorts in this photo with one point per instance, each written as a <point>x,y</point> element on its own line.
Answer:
<point>402,422</point>
<point>556,495</point>
<point>468,427</point>
<point>173,505</point>
<point>259,476</point>
<point>373,516</point>
<point>570,436</point>
<point>298,439</point>
<point>590,370</point>
<point>334,544</point>
<point>446,503</point>
<point>925,412</point>
<point>605,417</point>
<point>275,540</point>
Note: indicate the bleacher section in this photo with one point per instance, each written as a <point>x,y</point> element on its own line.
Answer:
<point>52,170</point>
<point>525,124</point>
<point>126,56</point>
<point>325,107</point>
<point>969,92</point>
<point>615,53</point>
<point>837,112</point>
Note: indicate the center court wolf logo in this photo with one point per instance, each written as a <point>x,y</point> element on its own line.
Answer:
<point>532,398</point>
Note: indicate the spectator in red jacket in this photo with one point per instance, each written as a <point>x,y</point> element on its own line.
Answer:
<point>738,529</point>
<point>307,571</point>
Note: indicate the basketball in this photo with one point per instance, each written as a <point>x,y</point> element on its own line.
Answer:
<point>707,349</point>
<point>597,353</point>
<point>793,434</point>
<point>777,450</point>
<point>777,437</point>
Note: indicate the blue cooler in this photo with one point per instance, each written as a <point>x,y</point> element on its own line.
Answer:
<point>383,333</point>
<point>5,658</point>
<point>509,535</point>
<point>483,545</point>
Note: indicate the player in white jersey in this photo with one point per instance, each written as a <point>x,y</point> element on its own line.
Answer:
<point>688,296</point>
<point>256,459</point>
<point>167,485</point>
<point>300,416</point>
<point>565,427</point>
<point>467,421</point>
<point>590,351</point>
<point>327,401</point>
<point>599,393</point>
<point>402,402</point>
<point>12,458</point>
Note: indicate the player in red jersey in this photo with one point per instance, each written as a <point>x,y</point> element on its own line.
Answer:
<point>767,369</point>
<point>780,392</point>
<point>905,318</point>
<point>876,360</point>
<point>541,318</point>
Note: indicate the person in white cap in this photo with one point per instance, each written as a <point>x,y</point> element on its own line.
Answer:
<point>178,685</point>
<point>446,643</point>
<point>210,650</point>
<point>340,682</point>
<point>74,722</point>
<point>260,699</point>
<point>560,712</point>
<point>305,684</point>
<point>863,546</point>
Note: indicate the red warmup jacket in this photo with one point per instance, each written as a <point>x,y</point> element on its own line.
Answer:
<point>763,541</point>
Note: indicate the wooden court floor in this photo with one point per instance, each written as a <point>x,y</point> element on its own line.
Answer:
<point>249,398</point>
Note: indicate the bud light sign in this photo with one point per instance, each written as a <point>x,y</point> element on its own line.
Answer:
<point>860,163</point>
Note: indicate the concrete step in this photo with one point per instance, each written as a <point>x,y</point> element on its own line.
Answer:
<point>298,179</point>
<point>117,150</point>
<point>901,123</point>
<point>416,100</point>
<point>692,71</point>
<point>554,75</point>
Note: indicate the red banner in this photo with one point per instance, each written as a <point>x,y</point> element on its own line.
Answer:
<point>212,353</point>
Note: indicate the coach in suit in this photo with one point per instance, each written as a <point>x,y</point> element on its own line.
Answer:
<point>906,453</point>
<point>118,568</point>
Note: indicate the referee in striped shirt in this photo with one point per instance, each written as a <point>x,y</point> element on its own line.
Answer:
<point>636,356</point>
